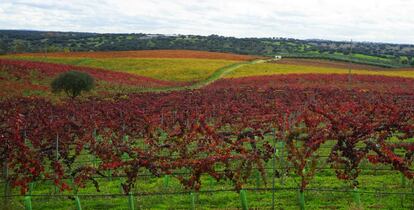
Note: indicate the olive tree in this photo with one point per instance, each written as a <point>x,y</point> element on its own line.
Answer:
<point>72,83</point>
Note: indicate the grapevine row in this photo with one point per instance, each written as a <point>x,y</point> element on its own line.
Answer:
<point>224,131</point>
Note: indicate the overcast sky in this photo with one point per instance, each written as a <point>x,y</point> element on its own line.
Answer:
<point>361,20</point>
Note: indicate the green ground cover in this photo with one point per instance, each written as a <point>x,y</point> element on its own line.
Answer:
<point>379,187</point>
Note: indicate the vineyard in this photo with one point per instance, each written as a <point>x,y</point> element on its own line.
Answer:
<point>175,70</point>
<point>28,78</point>
<point>309,67</point>
<point>314,141</point>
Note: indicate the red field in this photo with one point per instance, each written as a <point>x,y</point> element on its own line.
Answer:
<point>320,81</point>
<point>225,131</point>
<point>150,54</point>
<point>18,77</point>
<point>215,119</point>
<point>21,69</point>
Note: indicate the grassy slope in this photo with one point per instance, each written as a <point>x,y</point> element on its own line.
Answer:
<point>272,68</point>
<point>216,75</point>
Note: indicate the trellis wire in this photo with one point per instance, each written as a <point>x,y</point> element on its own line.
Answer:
<point>216,190</point>
<point>187,173</point>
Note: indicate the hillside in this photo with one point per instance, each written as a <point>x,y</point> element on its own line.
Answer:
<point>201,122</point>
<point>117,72</point>
<point>387,55</point>
<point>159,70</point>
<point>146,54</point>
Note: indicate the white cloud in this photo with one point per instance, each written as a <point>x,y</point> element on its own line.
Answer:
<point>367,20</point>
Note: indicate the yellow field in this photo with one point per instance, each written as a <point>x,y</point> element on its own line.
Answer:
<point>169,69</point>
<point>199,69</point>
<point>274,68</point>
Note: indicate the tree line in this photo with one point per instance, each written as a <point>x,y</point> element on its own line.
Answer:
<point>18,41</point>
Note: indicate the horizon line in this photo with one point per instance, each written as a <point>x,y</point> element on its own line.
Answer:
<point>252,37</point>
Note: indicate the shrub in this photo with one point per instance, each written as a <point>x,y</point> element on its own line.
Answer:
<point>404,60</point>
<point>72,83</point>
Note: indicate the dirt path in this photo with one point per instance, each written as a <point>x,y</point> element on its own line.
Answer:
<point>219,73</point>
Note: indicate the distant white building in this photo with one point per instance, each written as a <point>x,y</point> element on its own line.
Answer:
<point>278,57</point>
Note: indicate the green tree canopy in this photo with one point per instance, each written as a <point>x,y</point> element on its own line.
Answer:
<point>72,83</point>
<point>404,60</point>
